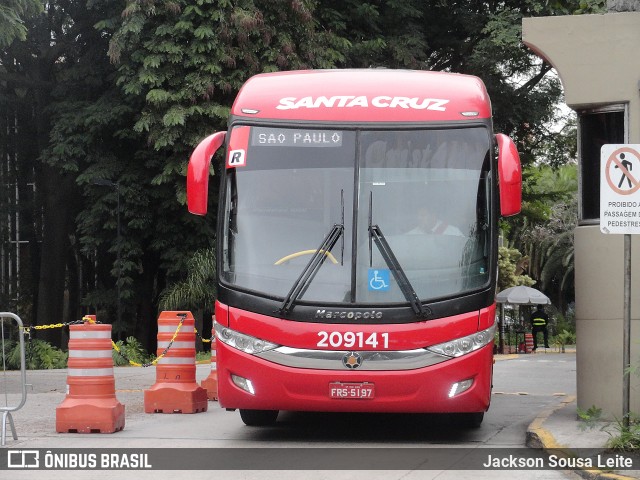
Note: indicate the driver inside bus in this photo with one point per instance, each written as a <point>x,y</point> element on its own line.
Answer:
<point>429,223</point>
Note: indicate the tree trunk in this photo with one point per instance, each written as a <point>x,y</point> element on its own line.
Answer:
<point>55,243</point>
<point>146,328</point>
<point>27,166</point>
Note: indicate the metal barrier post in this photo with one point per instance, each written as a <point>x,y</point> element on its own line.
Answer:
<point>6,410</point>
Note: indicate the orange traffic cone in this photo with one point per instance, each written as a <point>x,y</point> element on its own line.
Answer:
<point>528,340</point>
<point>211,382</point>
<point>90,405</point>
<point>176,390</point>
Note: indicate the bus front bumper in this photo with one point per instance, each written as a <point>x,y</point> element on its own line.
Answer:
<point>460,384</point>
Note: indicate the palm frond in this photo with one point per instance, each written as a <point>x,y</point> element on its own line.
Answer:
<point>199,287</point>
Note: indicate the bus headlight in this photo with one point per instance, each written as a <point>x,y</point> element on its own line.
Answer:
<point>242,342</point>
<point>243,383</point>
<point>462,346</point>
<point>459,387</point>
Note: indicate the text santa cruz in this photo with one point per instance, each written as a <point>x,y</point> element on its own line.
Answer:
<point>350,101</point>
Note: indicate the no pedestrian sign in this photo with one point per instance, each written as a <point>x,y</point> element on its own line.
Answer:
<point>620,189</point>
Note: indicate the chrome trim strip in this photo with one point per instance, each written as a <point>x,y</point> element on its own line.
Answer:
<point>371,360</point>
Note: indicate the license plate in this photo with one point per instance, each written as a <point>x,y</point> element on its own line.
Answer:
<point>346,391</point>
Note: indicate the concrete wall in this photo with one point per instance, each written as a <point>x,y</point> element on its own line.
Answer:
<point>598,60</point>
<point>596,56</point>
<point>599,314</point>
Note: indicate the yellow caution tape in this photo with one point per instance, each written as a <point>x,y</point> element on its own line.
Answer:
<point>205,340</point>
<point>88,319</point>
<point>27,329</point>
<point>157,359</point>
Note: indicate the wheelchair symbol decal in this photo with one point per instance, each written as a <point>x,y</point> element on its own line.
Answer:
<point>379,280</point>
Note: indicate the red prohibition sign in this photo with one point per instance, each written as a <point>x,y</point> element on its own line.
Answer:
<point>613,158</point>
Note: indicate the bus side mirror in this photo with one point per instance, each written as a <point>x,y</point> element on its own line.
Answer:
<point>198,173</point>
<point>510,176</point>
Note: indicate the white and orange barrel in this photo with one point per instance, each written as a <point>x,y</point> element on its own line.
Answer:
<point>528,342</point>
<point>176,390</point>
<point>211,382</point>
<point>91,405</point>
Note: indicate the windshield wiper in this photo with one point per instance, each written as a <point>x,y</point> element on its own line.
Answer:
<point>311,268</point>
<point>375,234</point>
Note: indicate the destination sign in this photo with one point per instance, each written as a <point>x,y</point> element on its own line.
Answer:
<point>289,137</point>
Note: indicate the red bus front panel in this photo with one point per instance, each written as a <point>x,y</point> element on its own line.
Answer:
<point>279,387</point>
<point>321,382</point>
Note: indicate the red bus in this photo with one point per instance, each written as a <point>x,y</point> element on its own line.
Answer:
<point>357,243</point>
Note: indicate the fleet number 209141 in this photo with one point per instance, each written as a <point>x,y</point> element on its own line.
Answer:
<point>353,340</point>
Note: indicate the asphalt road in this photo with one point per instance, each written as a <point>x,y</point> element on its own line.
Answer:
<point>524,386</point>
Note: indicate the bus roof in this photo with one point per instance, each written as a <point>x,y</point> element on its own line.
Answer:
<point>363,95</point>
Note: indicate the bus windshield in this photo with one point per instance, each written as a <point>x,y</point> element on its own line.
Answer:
<point>424,193</point>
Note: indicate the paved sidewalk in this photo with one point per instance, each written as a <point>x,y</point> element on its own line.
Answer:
<point>559,430</point>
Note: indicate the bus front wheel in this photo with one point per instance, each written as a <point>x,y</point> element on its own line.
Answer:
<point>258,418</point>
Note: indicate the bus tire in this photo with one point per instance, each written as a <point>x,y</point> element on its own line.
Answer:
<point>467,419</point>
<point>258,418</point>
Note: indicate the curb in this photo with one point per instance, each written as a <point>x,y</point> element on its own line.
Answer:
<point>504,356</point>
<point>539,437</point>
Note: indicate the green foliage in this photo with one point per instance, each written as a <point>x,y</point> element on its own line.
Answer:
<point>565,322</point>
<point>12,16</point>
<point>590,416</point>
<point>544,230</point>
<point>203,357</point>
<point>131,350</point>
<point>11,354</point>
<point>563,339</point>
<point>199,288</point>
<point>578,7</point>
<point>625,439</point>
<point>188,60</point>
<point>38,355</point>
<point>560,145</point>
<point>622,437</point>
<point>378,34</point>
<point>511,268</point>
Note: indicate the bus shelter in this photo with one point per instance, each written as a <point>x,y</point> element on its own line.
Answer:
<point>520,295</point>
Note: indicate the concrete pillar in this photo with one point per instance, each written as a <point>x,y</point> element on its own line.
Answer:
<point>598,61</point>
